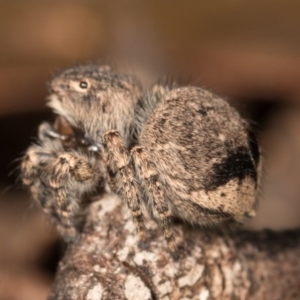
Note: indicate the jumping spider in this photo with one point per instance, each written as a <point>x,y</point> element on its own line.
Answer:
<point>178,152</point>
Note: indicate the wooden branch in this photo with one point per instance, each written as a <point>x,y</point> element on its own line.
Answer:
<point>108,262</point>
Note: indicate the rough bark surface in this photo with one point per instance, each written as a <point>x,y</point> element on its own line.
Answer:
<point>109,263</point>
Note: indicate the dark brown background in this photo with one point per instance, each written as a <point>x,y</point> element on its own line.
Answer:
<point>248,52</point>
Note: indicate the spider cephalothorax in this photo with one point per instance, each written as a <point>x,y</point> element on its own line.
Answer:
<point>95,99</point>
<point>175,151</point>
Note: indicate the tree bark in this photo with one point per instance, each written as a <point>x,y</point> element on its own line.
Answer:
<point>109,262</point>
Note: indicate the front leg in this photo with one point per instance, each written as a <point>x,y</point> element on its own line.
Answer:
<point>72,171</point>
<point>147,173</point>
<point>63,219</point>
<point>35,166</point>
<point>58,180</point>
<point>72,175</point>
<point>118,161</point>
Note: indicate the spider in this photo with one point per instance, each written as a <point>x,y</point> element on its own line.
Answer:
<point>176,152</point>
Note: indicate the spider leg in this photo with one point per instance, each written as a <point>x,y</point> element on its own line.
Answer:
<point>72,175</point>
<point>33,165</point>
<point>64,222</point>
<point>119,161</point>
<point>58,180</point>
<point>146,170</point>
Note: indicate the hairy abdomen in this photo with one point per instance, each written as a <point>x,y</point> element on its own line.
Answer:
<point>201,149</point>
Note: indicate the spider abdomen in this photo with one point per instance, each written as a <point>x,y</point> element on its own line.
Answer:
<point>200,146</point>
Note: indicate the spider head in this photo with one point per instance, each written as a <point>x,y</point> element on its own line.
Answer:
<point>95,99</point>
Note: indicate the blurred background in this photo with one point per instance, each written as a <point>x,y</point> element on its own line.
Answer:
<point>248,52</point>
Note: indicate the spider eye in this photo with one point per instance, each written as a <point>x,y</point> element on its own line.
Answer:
<point>83,84</point>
